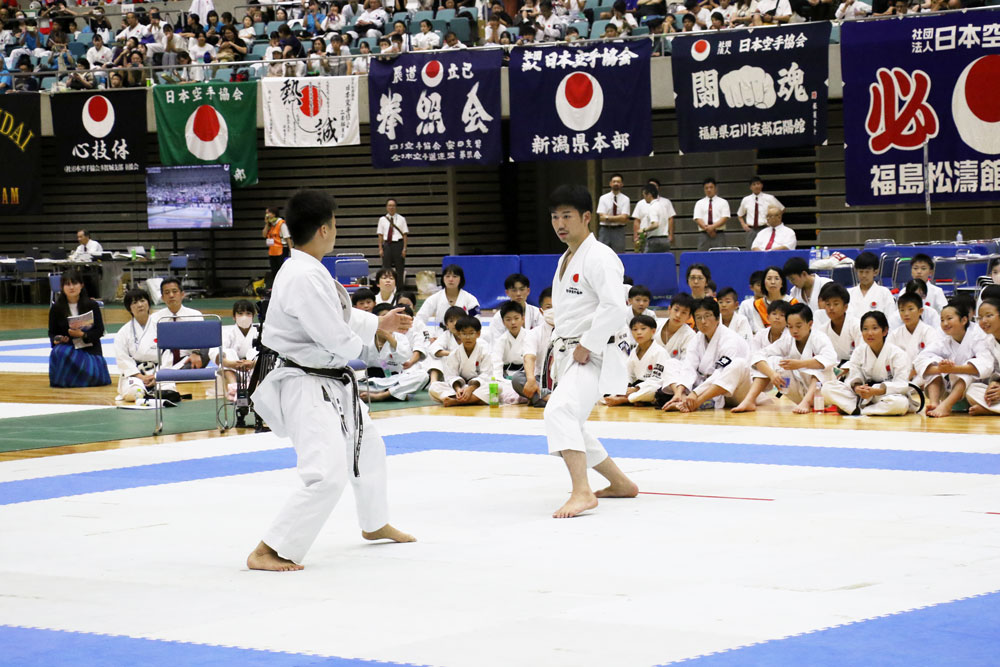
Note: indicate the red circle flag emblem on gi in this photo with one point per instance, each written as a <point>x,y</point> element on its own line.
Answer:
<point>206,133</point>
<point>432,73</point>
<point>576,277</point>
<point>579,101</point>
<point>975,104</point>
<point>311,101</point>
<point>873,304</point>
<point>700,49</point>
<point>98,116</point>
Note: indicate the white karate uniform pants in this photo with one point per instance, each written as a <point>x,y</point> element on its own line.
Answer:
<point>734,379</point>
<point>888,405</point>
<point>797,386</point>
<point>325,464</point>
<point>976,393</point>
<point>569,406</point>
<point>401,385</point>
<point>645,391</point>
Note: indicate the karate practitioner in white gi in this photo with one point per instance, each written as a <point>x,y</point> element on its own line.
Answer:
<point>958,359</point>
<point>587,310</point>
<point>878,374</point>
<point>716,367</point>
<point>913,335</point>
<point>645,364</point>
<point>806,358</point>
<point>984,397</point>
<point>311,325</point>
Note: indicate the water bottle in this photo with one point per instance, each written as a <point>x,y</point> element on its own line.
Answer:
<point>818,404</point>
<point>813,255</point>
<point>494,392</point>
<point>959,238</point>
<point>826,252</point>
<point>152,252</point>
<point>132,252</point>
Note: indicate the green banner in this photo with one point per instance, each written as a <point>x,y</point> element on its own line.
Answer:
<point>209,123</point>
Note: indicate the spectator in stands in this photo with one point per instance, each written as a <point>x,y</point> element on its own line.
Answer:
<point>281,15</point>
<point>393,236</point>
<point>23,81</point>
<point>59,59</point>
<point>781,11</point>
<point>494,28</point>
<point>170,46</point>
<point>212,27</point>
<point>339,66</point>
<point>718,21</point>
<point>231,47</point>
<point>173,298</point>
<point>385,281</point>
<point>752,212</point>
<point>247,32</point>
<point>76,359</point>
<point>88,248</point>
<point>123,52</point>
<point>132,28</point>
<point>528,12</point>
<point>278,67</point>
<point>201,52</point>
<point>427,39</point>
<point>99,55</point>
<point>371,22</point>
<point>351,9</point>
<point>333,21</point>
<point>651,8</point>
<point>452,295</point>
<point>613,215</point>
<point>135,73</point>
<point>775,236</point>
<point>155,27</point>
<point>497,9</point>
<point>728,11</point>
<point>548,26</point>
<point>697,278</point>
<point>193,28</point>
<point>360,64</point>
<point>451,41</point>
<point>278,239</point>
<point>317,63</point>
<point>610,32</point>
<point>6,79</point>
<point>688,23</point>
<point>852,9</point>
<point>135,348</point>
<point>746,10</point>
<point>82,78</point>
<point>623,20</point>
<point>711,213</point>
<point>399,28</point>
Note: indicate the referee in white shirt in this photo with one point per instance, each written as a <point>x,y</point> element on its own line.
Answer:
<point>753,209</point>
<point>393,235</point>
<point>613,214</point>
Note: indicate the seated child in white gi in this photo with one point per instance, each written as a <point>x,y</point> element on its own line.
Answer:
<point>877,375</point>
<point>639,297</point>
<point>394,372</point>
<point>746,306</point>
<point>777,316</point>
<point>922,267</point>
<point>518,288</point>
<point>675,334</point>
<point>363,299</point>
<point>645,364</point>
<point>795,364</point>
<point>958,359</point>
<point>913,335</point>
<point>507,351</point>
<point>450,296</point>
<point>532,382</point>
<point>385,279</point>
<point>843,330</point>
<point>928,315</point>
<point>238,353</point>
<point>716,367</point>
<point>866,295</point>
<point>728,304</point>
<point>467,369</point>
<point>419,329</point>
<point>443,344</point>
<point>984,396</point>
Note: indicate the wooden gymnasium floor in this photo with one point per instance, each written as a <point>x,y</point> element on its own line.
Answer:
<point>33,388</point>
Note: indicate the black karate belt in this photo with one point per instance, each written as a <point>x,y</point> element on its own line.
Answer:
<point>347,377</point>
<point>916,396</point>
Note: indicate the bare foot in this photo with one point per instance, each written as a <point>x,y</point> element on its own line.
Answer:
<point>621,490</point>
<point>380,395</point>
<point>576,504</point>
<point>931,405</point>
<point>745,407</point>
<point>802,409</point>
<point>450,402</point>
<point>266,558</point>
<point>939,411</point>
<point>977,410</point>
<point>387,532</point>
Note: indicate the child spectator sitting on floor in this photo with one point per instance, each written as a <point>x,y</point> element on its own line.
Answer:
<point>363,299</point>
<point>444,344</point>
<point>466,369</point>
<point>645,364</point>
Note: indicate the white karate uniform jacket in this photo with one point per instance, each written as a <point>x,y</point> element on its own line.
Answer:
<point>913,344</point>
<point>818,347</point>
<point>877,298</point>
<point>762,338</point>
<point>890,367</point>
<point>537,345</point>
<point>935,297</point>
<point>974,349</point>
<point>740,325</point>
<point>387,358</point>
<point>819,315</point>
<point>976,392</point>
<point>646,372</point>
<point>445,342</point>
<point>237,346</point>
<point>532,318</point>
<point>723,361</point>
<point>434,308</point>
<point>928,316</point>
<point>506,351</point>
<point>134,345</point>
<point>847,341</point>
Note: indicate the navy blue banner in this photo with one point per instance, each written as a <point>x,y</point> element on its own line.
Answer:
<point>757,88</point>
<point>580,102</point>
<point>440,108</point>
<point>936,81</point>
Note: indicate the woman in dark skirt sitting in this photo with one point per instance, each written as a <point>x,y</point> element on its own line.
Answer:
<point>76,359</point>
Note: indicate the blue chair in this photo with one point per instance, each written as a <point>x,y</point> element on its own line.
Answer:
<point>25,277</point>
<point>350,271</point>
<point>178,264</point>
<point>900,273</point>
<point>55,286</point>
<point>598,29</point>
<point>421,15</point>
<point>188,334</point>
<point>400,16</point>
<point>258,29</point>
<point>445,14</point>
<point>462,30</point>
<point>259,51</point>
<point>273,26</point>
<point>950,274</point>
<point>86,38</point>
<point>78,49</point>
<point>441,26</point>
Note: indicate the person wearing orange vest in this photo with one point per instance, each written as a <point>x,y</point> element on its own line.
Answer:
<point>278,240</point>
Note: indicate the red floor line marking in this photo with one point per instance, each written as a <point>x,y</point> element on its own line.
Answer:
<point>987,512</point>
<point>695,495</point>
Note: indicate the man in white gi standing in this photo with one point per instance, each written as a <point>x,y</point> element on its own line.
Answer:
<point>588,311</point>
<point>312,397</point>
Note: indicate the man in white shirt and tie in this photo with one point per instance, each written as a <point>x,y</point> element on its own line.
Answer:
<point>753,210</point>
<point>88,248</point>
<point>393,235</point>
<point>711,213</point>
<point>613,215</point>
<point>775,236</point>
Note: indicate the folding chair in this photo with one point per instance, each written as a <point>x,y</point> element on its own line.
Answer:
<point>350,272</point>
<point>901,273</point>
<point>729,248</point>
<point>189,334</point>
<point>55,286</point>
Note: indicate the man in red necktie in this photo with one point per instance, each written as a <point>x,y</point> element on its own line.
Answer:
<point>711,214</point>
<point>753,210</point>
<point>613,215</point>
<point>775,236</point>
<point>393,236</point>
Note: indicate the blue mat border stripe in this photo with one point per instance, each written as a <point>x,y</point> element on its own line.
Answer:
<point>154,474</point>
